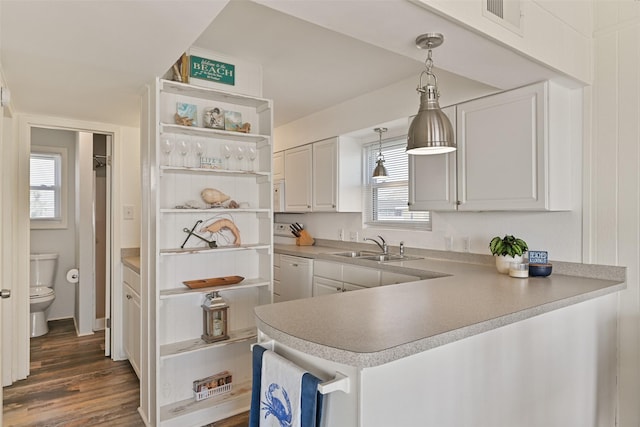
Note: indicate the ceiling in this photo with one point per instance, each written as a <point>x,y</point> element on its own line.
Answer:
<point>89,60</point>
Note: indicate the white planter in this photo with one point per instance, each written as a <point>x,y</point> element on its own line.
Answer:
<point>503,261</point>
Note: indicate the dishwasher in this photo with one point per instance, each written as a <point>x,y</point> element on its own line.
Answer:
<point>296,277</point>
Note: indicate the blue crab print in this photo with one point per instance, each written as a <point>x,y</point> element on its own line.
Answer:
<point>275,407</point>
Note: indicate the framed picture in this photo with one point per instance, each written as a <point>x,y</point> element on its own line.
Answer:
<point>186,114</point>
<point>232,120</point>
<point>213,118</point>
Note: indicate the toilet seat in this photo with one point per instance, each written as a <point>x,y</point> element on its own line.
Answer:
<point>40,291</point>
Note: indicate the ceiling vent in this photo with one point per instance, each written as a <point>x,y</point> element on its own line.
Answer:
<point>507,13</point>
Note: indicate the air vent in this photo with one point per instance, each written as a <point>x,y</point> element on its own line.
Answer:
<point>504,12</point>
<point>496,7</point>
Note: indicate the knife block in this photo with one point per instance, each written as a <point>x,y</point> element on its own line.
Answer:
<point>305,239</point>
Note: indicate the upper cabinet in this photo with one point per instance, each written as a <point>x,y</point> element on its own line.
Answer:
<point>297,178</point>
<point>323,177</point>
<point>514,153</point>
<point>278,166</point>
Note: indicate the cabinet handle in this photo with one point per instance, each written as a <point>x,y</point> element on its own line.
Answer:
<point>339,289</point>
<point>294,265</point>
<point>129,296</point>
<point>333,206</point>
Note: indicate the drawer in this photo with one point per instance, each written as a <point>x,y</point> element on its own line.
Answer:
<point>276,273</point>
<point>330,270</point>
<point>276,260</point>
<point>131,278</point>
<point>389,278</point>
<point>360,276</point>
<point>277,290</point>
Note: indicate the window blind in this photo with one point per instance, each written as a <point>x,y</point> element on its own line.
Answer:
<point>45,186</point>
<point>386,201</point>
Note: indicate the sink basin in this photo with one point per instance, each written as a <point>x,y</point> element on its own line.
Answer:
<point>390,257</point>
<point>355,254</point>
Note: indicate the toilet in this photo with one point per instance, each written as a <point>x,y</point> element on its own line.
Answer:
<point>41,294</point>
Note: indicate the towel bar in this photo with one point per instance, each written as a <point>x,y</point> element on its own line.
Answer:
<point>339,383</point>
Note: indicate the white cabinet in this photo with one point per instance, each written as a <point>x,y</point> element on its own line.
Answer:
<point>131,317</point>
<point>337,175</point>
<point>296,275</point>
<point>276,278</point>
<point>278,166</point>
<point>297,172</point>
<point>333,277</point>
<point>432,178</point>
<point>514,153</point>
<point>172,207</point>
<point>324,176</point>
<point>324,286</point>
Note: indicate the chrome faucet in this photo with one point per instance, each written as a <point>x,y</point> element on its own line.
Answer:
<point>383,246</point>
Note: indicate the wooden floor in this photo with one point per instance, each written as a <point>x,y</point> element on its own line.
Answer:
<point>72,383</point>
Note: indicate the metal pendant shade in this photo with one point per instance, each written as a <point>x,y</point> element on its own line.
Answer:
<point>430,131</point>
<point>380,172</point>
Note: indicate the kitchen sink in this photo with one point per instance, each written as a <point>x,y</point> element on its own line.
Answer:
<point>389,257</point>
<point>355,254</point>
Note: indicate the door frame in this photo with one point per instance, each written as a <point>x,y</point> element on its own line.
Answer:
<point>22,249</point>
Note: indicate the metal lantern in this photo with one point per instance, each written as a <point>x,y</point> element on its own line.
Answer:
<point>214,318</point>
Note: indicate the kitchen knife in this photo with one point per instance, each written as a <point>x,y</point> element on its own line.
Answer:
<point>300,228</point>
<point>294,231</point>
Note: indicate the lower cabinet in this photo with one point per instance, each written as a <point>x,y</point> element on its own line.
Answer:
<point>276,278</point>
<point>333,277</point>
<point>131,318</point>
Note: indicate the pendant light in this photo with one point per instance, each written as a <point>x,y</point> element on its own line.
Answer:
<point>380,172</point>
<point>430,131</point>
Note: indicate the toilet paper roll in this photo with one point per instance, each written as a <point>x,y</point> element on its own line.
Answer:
<point>73,276</point>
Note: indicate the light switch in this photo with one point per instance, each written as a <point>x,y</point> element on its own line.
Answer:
<point>128,212</point>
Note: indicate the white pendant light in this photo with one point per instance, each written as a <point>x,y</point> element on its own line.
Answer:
<point>380,172</point>
<point>430,131</point>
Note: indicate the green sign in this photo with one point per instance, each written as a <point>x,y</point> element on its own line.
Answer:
<point>208,69</point>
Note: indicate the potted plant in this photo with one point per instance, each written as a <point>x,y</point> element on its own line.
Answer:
<point>507,249</point>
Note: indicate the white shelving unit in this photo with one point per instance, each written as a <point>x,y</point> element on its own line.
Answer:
<point>179,356</point>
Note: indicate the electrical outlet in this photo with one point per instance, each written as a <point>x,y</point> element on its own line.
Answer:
<point>341,234</point>
<point>466,244</point>
<point>353,236</point>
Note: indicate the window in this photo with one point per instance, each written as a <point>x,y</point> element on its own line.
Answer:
<point>386,201</point>
<point>46,193</point>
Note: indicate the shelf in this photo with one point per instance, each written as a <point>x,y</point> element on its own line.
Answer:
<point>199,250</point>
<point>169,86</point>
<point>178,292</point>
<point>216,210</point>
<point>239,397</point>
<point>197,344</point>
<point>219,172</point>
<point>217,133</point>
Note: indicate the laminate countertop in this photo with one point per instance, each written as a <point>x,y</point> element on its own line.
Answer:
<point>458,298</point>
<point>133,262</point>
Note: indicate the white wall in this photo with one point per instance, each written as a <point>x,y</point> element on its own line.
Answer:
<point>127,154</point>
<point>612,179</point>
<point>60,241</point>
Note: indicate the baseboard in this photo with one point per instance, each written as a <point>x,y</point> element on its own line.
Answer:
<point>99,324</point>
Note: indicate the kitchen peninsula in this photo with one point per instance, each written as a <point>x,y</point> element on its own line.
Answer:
<point>467,347</point>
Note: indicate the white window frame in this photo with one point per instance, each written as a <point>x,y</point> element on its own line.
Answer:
<point>61,221</point>
<point>370,186</point>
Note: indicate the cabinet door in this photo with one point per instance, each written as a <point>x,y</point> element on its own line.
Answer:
<point>278,166</point>
<point>330,270</point>
<point>325,174</point>
<point>367,277</point>
<point>323,286</point>
<point>135,340</point>
<point>432,178</point>
<point>348,287</point>
<point>389,278</point>
<point>501,151</point>
<point>297,172</point>
<point>131,322</point>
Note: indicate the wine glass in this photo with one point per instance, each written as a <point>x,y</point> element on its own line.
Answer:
<point>240,155</point>
<point>166,145</point>
<point>252,156</point>
<point>183,149</point>
<point>198,149</point>
<point>226,152</point>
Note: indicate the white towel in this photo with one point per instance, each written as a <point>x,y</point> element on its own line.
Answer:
<point>284,395</point>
